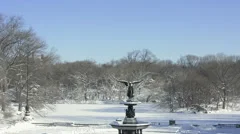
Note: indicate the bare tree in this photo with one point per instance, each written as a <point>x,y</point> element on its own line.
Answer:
<point>11,35</point>
<point>222,72</point>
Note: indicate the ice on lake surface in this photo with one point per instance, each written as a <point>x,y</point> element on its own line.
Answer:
<point>104,114</point>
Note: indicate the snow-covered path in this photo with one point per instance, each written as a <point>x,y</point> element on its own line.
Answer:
<point>106,113</point>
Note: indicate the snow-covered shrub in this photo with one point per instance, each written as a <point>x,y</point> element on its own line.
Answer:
<point>197,108</point>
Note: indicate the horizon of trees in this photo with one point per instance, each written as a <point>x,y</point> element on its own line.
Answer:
<point>211,80</point>
<point>207,80</point>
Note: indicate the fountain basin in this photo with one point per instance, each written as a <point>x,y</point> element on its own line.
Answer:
<point>138,126</point>
<point>130,103</point>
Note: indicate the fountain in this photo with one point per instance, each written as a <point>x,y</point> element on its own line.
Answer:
<point>130,124</point>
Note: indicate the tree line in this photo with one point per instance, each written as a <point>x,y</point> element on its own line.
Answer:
<point>26,62</point>
<point>211,80</point>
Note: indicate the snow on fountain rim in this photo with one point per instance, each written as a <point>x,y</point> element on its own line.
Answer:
<point>130,103</point>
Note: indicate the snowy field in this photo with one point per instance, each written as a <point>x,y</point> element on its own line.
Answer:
<point>103,114</point>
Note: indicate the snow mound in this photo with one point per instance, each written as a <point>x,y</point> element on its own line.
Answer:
<point>16,128</point>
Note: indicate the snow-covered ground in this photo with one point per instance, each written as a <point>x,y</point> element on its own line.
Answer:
<point>104,114</point>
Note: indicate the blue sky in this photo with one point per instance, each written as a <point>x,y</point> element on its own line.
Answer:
<point>102,30</point>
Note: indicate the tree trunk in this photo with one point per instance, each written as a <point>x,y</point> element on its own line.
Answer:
<point>20,106</point>
<point>171,107</point>
<point>85,96</point>
<point>20,101</point>
<point>224,99</point>
<point>3,102</point>
<point>148,98</point>
<point>16,95</point>
<point>4,88</point>
<point>217,106</point>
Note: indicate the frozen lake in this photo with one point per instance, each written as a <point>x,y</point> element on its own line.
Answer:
<point>106,113</point>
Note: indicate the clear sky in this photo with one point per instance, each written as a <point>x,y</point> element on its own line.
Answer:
<point>107,29</point>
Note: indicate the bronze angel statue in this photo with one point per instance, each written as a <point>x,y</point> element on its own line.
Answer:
<point>130,91</point>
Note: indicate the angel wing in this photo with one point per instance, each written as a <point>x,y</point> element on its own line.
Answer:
<point>142,77</point>
<point>123,81</point>
<point>136,82</point>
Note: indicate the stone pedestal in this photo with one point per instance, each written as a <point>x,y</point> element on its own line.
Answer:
<point>130,124</point>
<point>130,131</point>
<point>129,120</point>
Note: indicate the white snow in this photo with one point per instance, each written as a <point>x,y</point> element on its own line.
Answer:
<point>104,114</point>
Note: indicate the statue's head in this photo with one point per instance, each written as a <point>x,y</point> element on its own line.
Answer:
<point>130,84</point>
